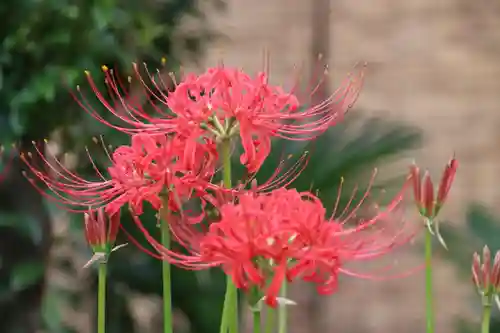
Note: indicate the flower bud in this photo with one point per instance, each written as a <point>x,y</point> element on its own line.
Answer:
<point>428,196</point>
<point>428,202</point>
<point>101,229</point>
<point>486,266</point>
<point>486,276</point>
<point>476,270</point>
<point>495,273</point>
<point>446,182</point>
<point>417,186</point>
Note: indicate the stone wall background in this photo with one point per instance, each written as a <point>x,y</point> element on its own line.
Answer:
<point>433,64</point>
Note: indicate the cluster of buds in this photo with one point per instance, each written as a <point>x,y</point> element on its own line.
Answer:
<point>428,203</point>
<point>100,232</point>
<point>486,276</point>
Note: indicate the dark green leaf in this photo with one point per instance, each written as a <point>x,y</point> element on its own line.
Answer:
<point>26,274</point>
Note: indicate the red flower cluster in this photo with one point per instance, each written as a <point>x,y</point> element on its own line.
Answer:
<point>264,239</point>
<point>141,172</point>
<point>226,102</point>
<point>259,238</point>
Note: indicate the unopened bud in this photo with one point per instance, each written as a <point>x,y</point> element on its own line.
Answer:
<point>485,275</point>
<point>101,229</point>
<point>495,272</point>
<point>417,185</point>
<point>446,182</point>
<point>486,266</point>
<point>428,202</point>
<point>428,196</point>
<point>476,271</point>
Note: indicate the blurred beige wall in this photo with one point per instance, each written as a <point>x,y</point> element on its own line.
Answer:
<point>434,64</point>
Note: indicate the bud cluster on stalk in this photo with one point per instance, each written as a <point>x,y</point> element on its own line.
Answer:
<point>486,276</point>
<point>101,230</point>
<point>428,202</point>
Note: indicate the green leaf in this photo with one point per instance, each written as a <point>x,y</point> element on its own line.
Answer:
<point>50,312</point>
<point>484,225</point>
<point>26,274</point>
<point>26,225</point>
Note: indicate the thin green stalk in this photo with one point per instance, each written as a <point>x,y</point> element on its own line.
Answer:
<point>167,292</point>
<point>101,298</point>
<point>230,309</point>
<point>256,321</point>
<point>226,163</point>
<point>270,316</point>
<point>428,282</point>
<point>485,324</point>
<point>282,310</point>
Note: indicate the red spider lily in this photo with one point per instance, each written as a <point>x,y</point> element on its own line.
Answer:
<point>263,239</point>
<point>101,230</point>
<point>284,174</point>
<point>225,102</point>
<point>186,230</point>
<point>149,168</point>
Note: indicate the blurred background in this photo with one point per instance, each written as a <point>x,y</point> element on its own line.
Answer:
<point>432,89</point>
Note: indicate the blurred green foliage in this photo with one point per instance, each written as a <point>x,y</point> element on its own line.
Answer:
<point>46,43</point>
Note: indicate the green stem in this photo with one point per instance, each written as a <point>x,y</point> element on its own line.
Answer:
<point>230,309</point>
<point>101,298</point>
<point>270,316</point>
<point>226,163</point>
<point>485,324</point>
<point>428,282</point>
<point>167,292</point>
<point>256,321</point>
<point>282,311</point>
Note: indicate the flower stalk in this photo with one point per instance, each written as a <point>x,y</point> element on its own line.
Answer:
<point>256,321</point>
<point>101,230</point>
<point>101,297</point>
<point>270,320</point>
<point>166,272</point>
<point>428,283</point>
<point>282,310</point>
<point>485,322</point>
<point>229,320</point>
<point>429,204</point>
